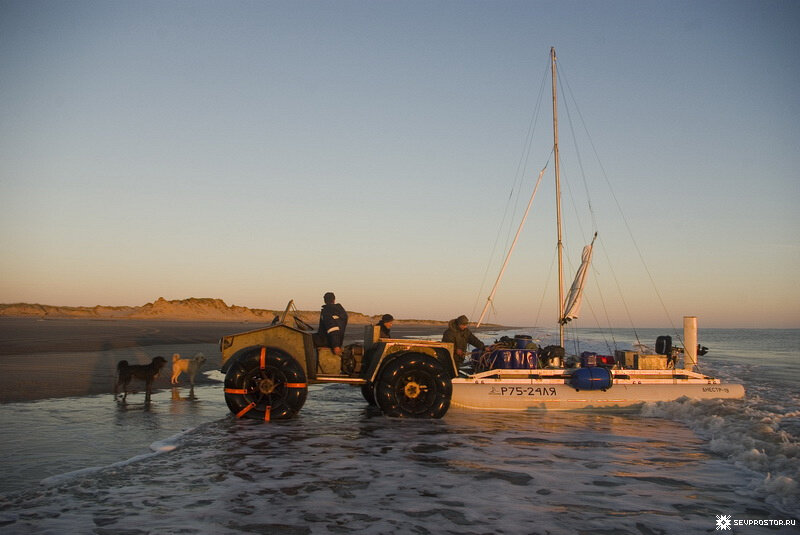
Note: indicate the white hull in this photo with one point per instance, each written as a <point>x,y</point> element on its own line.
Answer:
<point>553,393</point>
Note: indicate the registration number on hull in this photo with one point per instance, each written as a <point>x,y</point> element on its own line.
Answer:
<point>534,391</point>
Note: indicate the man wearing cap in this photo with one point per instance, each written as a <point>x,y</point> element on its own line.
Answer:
<point>459,335</point>
<point>332,323</point>
<point>386,326</point>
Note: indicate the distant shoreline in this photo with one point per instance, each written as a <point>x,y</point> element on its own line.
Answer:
<point>181,319</point>
<point>191,309</point>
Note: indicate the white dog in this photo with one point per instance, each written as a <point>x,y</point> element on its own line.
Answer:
<point>188,366</point>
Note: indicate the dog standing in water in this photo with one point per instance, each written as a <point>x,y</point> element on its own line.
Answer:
<point>144,372</point>
<point>188,366</point>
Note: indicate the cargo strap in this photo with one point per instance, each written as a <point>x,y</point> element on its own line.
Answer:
<point>266,413</point>
<point>296,385</point>
<point>236,391</point>
<point>263,359</point>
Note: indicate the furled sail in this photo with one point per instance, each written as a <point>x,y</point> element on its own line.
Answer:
<point>572,306</point>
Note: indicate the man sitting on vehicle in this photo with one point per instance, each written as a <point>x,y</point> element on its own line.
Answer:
<point>386,326</point>
<point>332,323</point>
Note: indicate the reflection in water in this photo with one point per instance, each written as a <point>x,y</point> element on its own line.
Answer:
<point>189,396</point>
<point>53,436</point>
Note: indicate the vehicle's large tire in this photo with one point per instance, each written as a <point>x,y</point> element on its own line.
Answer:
<point>368,391</point>
<point>265,384</point>
<point>413,385</point>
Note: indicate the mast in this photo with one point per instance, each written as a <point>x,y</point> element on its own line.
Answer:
<point>558,203</point>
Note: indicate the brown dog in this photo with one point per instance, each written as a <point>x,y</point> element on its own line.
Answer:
<point>188,366</point>
<point>144,372</point>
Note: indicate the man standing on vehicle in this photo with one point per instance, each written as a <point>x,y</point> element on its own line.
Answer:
<point>459,335</point>
<point>332,323</point>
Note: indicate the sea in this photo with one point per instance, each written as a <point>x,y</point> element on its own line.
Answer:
<point>185,465</point>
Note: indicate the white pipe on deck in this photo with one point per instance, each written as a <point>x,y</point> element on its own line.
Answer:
<point>690,342</point>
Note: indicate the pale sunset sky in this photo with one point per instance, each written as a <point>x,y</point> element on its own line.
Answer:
<point>264,151</point>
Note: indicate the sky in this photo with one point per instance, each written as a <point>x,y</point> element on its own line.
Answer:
<point>259,152</point>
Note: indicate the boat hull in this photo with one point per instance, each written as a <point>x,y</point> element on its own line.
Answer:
<point>514,395</point>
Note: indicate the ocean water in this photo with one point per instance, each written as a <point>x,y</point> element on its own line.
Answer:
<point>88,465</point>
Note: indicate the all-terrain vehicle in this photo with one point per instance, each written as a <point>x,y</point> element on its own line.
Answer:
<point>268,370</point>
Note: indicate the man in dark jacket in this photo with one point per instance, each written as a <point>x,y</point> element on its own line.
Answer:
<point>459,335</point>
<point>332,323</point>
<point>386,326</point>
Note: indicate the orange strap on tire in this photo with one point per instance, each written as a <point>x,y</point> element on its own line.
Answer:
<point>245,410</point>
<point>263,359</point>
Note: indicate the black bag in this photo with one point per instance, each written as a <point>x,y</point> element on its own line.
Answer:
<point>664,345</point>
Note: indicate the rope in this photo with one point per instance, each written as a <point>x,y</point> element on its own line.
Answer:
<point>624,219</point>
<point>544,291</point>
<point>516,187</point>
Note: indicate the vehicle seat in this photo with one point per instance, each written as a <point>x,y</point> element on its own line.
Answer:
<point>372,334</point>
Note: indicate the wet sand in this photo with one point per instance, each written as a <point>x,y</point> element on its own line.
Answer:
<point>42,359</point>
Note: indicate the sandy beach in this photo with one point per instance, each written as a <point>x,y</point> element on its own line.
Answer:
<point>54,358</point>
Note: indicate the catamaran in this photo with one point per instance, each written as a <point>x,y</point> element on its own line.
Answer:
<point>518,375</point>
<point>268,370</point>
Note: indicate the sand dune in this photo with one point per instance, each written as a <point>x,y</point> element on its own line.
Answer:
<point>191,309</point>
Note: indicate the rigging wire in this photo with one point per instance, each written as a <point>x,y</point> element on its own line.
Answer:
<point>516,187</point>
<point>568,109</point>
<point>627,227</point>
<point>514,195</point>
<point>511,247</point>
<point>523,163</point>
<point>544,288</point>
<point>613,345</point>
<point>565,102</point>
<point>601,245</point>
